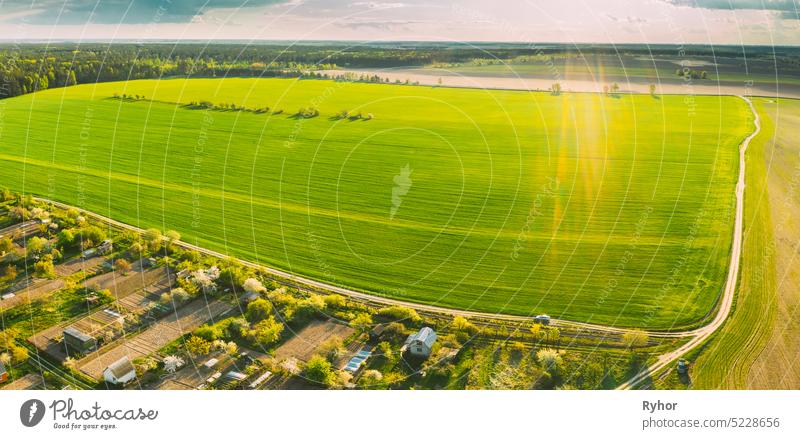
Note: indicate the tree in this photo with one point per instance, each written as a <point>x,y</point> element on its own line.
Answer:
<point>6,194</point>
<point>653,90</point>
<point>553,336</point>
<point>400,313</point>
<point>172,363</point>
<point>10,273</point>
<point>71,80</point>
<point>555,89</point>
<point>385,349</point>
<point>461,324</point>
<point>267,331</point>
<point>136,249</point>
<point>44,268</point>
<point>550,360</point>
<point>335,301</point>
<point>371,378</point>
<point>536,331</point>
<point>319,370</point>
<point>258,310</point>
<point>197,346</point>
<point>635,339</point>
<point>92,234</point>
<point>153,238</point>
<point>332,349</point>
<point>172,238</point>
<point>253,285</point>
<point>37,245</point>
<point>362,322</point>
<point>6,245</point>
<point>122,266</point>
<point>66,239</point>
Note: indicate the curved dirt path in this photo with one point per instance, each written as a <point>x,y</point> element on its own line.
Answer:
<point>701,334</point>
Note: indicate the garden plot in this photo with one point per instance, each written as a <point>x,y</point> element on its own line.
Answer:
<point>156,336</point>
<point>122,285</point>
<point>21,230</point>
<point>30,381</point>
<point>32,289</point>
<point>306,342</point>
<point>128,301</point>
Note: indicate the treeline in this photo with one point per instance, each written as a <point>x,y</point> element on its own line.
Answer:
<point>31,67</point>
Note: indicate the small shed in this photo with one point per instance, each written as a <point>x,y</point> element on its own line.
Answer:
<point>76,341</point>
<point>377,331</point>
<point>420,343</point>
<point>120,371</point>
<point>105,247</point>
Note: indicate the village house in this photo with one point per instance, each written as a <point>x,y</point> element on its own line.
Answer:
<point>420,343</point>
<point>120,371</point>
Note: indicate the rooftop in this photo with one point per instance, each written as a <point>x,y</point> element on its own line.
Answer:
<point>425,335</point>
<point>121,367</point>
<point>74,333</point>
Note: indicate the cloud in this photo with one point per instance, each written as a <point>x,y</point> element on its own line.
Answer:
<point>120,11</point>
<point>787,9</point>
<point>379,5</point>
<point>627,19</point>
<point>386,25</point>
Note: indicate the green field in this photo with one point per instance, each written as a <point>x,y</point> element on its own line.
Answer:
<point>620,209</point>
<point>757,346</point>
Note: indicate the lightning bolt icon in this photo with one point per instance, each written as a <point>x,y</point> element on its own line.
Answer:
<point>33,409</point>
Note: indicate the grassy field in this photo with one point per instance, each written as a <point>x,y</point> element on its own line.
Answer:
<point>758,346</point>
<point>586,207</point>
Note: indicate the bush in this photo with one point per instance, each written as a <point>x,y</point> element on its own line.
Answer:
<point>122,265</point>
<point>208,333</point>
<point>319,370</point>
<point>44,268</point>
<point>197,346</point>
<point>93,234</point>
<point>307,113</point>
<point>335,301</point>
<point>461,324</point>
<point>399,313</point>
<point>258,310</point>
<point>66,239</point>
<point>266,332</point>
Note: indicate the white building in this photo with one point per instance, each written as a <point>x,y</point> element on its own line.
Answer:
<point>420,343</point>
<point>120,371</point>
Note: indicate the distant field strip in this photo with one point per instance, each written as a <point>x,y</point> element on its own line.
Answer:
<point>613,210</point>
<point>758,346</point>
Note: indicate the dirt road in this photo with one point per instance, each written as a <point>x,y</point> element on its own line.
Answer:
<point>700,335</point>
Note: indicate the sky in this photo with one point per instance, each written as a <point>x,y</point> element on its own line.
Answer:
<point>769,22</point>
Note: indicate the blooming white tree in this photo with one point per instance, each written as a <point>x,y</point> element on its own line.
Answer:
<point>549,359</point>
<point>253,285</point>
<point>172,363</point>
<point>39,213</point>
<point>205,278</point>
